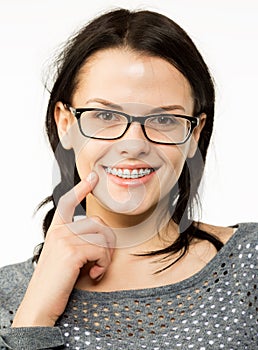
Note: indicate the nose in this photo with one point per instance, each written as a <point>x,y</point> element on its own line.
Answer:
<point>133,144</point>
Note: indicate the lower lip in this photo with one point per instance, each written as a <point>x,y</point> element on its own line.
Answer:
<point>130,182</point>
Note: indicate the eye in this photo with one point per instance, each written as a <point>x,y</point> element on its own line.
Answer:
<point>163,120</point>
<point>102,118</point>
<point>107,116</point>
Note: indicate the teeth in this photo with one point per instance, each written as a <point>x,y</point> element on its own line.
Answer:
<point>129,174</point>
<point>126,174</point>
<point>134,174</point>
<point>119,172</point>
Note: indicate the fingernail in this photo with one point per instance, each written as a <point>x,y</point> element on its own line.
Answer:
<point>91,177</point>
<point>99,277</point>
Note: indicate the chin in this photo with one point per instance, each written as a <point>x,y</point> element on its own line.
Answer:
<point>131,206</point>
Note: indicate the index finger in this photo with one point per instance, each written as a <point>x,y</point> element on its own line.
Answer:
<point>69,201</point>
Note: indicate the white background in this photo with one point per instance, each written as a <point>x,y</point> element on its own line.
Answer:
<point>30,32</point>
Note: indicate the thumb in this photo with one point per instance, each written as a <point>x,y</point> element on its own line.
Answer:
<point>92,179</point>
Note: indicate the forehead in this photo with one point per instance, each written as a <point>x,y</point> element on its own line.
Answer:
<point>125,76</point>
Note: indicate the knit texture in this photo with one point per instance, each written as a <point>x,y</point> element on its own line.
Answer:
<point>214,309</point>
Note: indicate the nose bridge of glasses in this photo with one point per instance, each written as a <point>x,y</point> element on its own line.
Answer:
<point>131,119</point>
<point>137,119</point>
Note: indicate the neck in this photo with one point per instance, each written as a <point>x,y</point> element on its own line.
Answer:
<point>143,231</point>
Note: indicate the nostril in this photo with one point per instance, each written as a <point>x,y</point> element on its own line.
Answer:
<point>133,147</point>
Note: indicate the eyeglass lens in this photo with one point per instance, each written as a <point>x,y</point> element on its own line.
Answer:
<point>165,128</point>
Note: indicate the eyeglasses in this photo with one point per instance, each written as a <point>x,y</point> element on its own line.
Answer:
<point>161,128</point>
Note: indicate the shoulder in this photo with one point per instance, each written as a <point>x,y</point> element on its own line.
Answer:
<point>14,277</point>
<point>246,242</point>
<point>14,280</point>
<point>240,239</point>
<point>242,232</point>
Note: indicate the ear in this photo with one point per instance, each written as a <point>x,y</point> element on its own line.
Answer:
<point>63,122</point>
<point>196,135</point>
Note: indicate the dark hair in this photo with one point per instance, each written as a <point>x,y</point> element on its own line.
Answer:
<point>155,35</point>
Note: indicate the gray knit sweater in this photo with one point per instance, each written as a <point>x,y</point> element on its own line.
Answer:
<point>214,309</point>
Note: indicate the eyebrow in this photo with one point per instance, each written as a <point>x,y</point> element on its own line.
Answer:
<point>118,107</point>
<point>105,103</point>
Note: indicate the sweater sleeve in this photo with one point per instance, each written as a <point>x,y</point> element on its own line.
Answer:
<point>31,338</point>
<point>13,284</point>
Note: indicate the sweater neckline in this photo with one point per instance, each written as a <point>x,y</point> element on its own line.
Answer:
<point>194,280</point>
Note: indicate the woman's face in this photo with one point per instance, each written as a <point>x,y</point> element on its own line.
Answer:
<point>137,84</point>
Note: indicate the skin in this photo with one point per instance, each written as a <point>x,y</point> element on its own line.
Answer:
<point>139,84</point>
<point>81,254</point>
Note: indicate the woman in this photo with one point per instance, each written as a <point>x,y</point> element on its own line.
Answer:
<point>129,119</point>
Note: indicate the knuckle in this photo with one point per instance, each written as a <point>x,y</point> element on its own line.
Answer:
<point>101,241</point>
<point>98,249</point>
<point>69,251</point>
<point>57,236</point>
<point>102,251</point>
<point>108,257</point>
<point>63,198</point>
<point>56,231</point>
<point>97,220</point>
<point>67,248</point>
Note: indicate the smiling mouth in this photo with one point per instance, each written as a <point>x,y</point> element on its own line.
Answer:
<point>129,173</point>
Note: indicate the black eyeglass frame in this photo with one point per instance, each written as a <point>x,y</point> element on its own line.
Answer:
<point>77,112</point>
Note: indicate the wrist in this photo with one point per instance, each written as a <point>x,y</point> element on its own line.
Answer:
<point>29,319</point>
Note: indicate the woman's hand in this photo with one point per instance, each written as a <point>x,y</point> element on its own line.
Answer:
<point>68,247</point>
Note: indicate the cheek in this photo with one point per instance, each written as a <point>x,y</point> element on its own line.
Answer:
<point>88,154</point>
<point>84,158</point>
<point>83,164</point>
<point>176,157</point>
